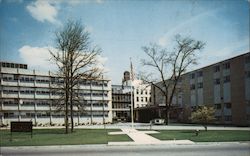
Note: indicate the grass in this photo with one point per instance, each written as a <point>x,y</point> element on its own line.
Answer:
<point>58,137</point>
<point>204,136</point>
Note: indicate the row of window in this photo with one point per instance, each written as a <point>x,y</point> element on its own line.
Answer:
<point>53,80</point>
<point>120,105</point>
<point>217,81</point>
<point>216,69</point>
<point>46,103</point>
<point>56,115</point>
<point>142,91</point>
<point>226,79</point>
<point>226,105</point>
<point>199,74</point>
<point>226,118</point>
<point>47,92</point>
<point>144,99</point>
<point>13,65</point>
<point>199,85</point>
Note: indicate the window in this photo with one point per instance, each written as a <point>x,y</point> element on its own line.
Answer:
<point>146,99</point>
<point>226,65</point>
<point>28,103</point>
<point>149,99</point>
<point>141,99</point>
<point>137,91</point>
<point>42,103</point>
<point>192,86</point>
<point>30,115</point>
<point>216,81</point>
<point>9,115</point>
<point>228,118</point>
<point>192,76</point>
<point>248,117</point>
<point>216,68</point>
<point>228,105</point>
<point>226,79</point>
<point>141,91</point>
<point>200,85</point>
<point>42,79</point>
<point>247,73</point>
<point>26,79</point>
<point>137,99</point>
<point>200,74</point>
<point>11,90</point>
<point>218,106</point>
<point>42,92</point>
<point>247,59</point>
<point>217,118</point>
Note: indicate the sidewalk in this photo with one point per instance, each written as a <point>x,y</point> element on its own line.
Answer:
<point>141,138</point>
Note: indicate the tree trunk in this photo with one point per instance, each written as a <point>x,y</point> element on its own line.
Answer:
<point>66,114</point>
<point>205,126</point>
<point>167,110</point>
<point>71,113</point>
<point>167,116</point>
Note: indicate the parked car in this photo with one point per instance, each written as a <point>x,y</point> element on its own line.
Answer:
<point>158,121</point>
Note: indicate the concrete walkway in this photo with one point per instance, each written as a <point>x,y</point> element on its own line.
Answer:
<point>141,138</point>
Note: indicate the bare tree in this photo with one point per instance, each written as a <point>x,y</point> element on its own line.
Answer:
<point>169,66</point>
<point>76,61</point>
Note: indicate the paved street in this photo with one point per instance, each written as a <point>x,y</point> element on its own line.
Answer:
<point>200,149</point>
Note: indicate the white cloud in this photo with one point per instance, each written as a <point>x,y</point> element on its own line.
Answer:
<point>89,29</point>
<point>43,10</point>
<point>101,63</point>
<point>162,41</point>
<point>37,57</point>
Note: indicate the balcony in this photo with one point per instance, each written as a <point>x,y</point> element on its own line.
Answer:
<point>10,95</point>
<point>42,107</point>
<point>10,107</point>
<point>9,83</point>
<point>26,96</point>
<point>26,84</point>
<point>42,96</point>
<point>27,107</point>
<point>45,85</point>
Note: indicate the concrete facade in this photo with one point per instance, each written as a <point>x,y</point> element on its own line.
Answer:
<point>28,95</point>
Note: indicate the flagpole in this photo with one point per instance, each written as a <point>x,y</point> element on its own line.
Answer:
<point>131,90</point>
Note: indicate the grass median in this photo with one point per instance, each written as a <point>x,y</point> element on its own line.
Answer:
<point>204,136</point>
<point>42,137</point>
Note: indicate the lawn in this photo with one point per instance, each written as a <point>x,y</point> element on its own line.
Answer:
<point>204,136</point>
<point>58,137</point>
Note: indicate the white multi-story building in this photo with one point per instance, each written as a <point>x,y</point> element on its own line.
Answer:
<point>142,94</point>
<point>141,91</point>
<point>27,95</point>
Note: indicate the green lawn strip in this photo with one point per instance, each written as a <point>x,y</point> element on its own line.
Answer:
<point>58,137</point>
<point>204,136</point>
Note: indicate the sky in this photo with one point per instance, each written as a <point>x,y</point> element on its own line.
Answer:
<point>121,28</point>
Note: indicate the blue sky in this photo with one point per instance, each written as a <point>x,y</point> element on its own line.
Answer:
<point>121,28</point>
